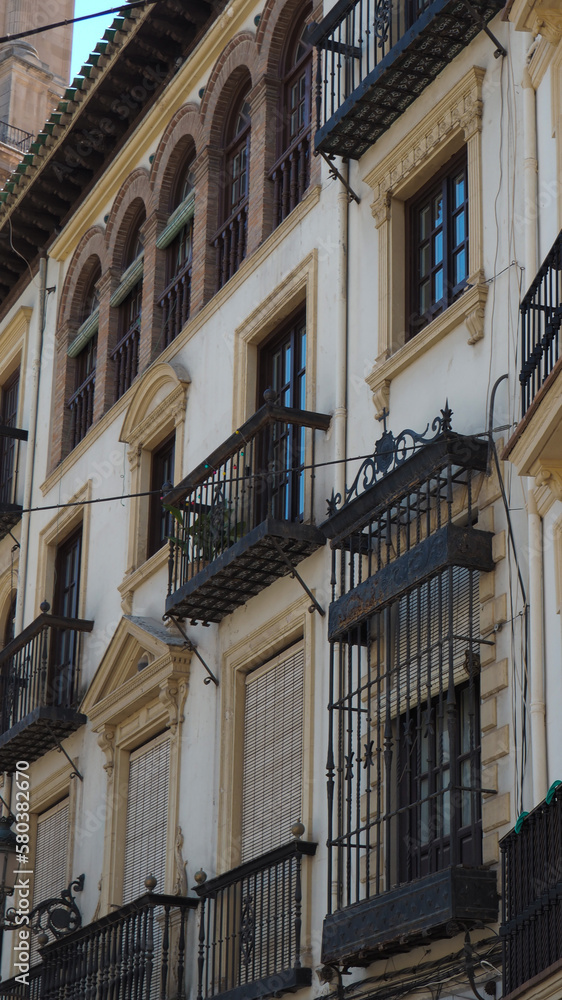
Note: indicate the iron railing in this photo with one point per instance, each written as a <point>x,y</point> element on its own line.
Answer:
<point>356,36</point>
<point>15,137</point>
<point>81,406</point>
<point>230,244</point>
<point>10,989</point>
<point>403,758</point>
<point>175,303</point>
<point>291,177</point>
<point>126,358</point>
<point>40,668</point>
<point>136,952</point>
<point>541,318</point>
<point>258,473</point>
<point>251,925</point>
<point>532,894</point>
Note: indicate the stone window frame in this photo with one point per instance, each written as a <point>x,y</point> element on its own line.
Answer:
<point>66,521</point>
<point>144,430</point>
<point>455,122</point>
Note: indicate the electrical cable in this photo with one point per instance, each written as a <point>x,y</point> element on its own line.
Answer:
<point>74,20</point>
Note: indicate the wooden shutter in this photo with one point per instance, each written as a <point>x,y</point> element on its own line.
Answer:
<point>147,818</point>
<point>272,762</point>
<point>51,859</point>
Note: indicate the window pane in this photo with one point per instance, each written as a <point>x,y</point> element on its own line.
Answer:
<point>438,285</point>
<point>438,210</point>
<point>424,223</point>
<point>460,229</point>
<point>424,297</point>
<point>438,248</point>
<point>458,188</point>
<point>460,267</point>
<point>425,260</point>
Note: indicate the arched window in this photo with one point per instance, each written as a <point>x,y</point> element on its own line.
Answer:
<point>128,297</point>
<point>231,239</point>
<point>84,350</point>
<point>177,238</point>
<point>291,173</point>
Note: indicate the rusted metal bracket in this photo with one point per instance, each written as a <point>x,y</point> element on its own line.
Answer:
<point>75,773</point>
<point>490,986</point>
<point>193,648</point>
<point>334,172</point>
<point>315,606</point>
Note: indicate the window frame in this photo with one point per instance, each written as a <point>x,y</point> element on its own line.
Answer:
<point>9,447</point>
<point>236,143</point>
<point>162,458</point>
<point>441,184</point>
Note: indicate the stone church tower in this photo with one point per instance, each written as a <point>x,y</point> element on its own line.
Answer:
<point>33,72</point>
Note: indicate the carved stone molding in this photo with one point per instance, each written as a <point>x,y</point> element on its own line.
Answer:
<point>180,866</point>
<point>106,740</point>
<point>381,209</point>
<point>172,695</point>
<point>550,477</point>
<point>381,398</point>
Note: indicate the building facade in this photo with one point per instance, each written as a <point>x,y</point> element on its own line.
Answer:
<point>280,555</point>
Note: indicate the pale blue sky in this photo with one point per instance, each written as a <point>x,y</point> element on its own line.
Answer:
<point>87,33</point>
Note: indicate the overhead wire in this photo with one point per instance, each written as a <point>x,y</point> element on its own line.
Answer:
<point>74,20</point>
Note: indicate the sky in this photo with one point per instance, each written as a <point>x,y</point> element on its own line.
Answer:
<point>87,33</point>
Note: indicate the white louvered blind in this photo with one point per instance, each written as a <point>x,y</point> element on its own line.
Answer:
<point>147,819</point>
<point>51,859</point>
<point>272,764</point>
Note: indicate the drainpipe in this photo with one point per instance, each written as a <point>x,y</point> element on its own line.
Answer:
<point>536,643</point>
<point>340,415</point>
<point>37,349</point>
<point>530,171</point>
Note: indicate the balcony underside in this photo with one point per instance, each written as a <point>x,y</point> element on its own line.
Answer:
<point>437,36</point>
<point>244,570</point>
<point>10,514</point>
<point>32,736</point>
<point>287,981</point>
<point>435,906</point>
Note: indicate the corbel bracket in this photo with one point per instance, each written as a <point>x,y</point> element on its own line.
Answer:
<point>75,773</point>
<point>193,648</point>
<point>315,606</point>
<point>334,172</point>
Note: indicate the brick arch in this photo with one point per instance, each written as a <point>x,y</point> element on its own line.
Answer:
<point>276,25</point>
<point>182,134</point>
<point>135,189</point>
<point>238,56</point>
<point>92,245</point>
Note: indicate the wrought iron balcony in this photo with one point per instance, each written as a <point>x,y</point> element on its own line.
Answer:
<point>10,989</point>
<point>250,932</point>
<point>136,951</point>
<point>15,137</point>
<point>10,511</point>
<point>532,894</point>
<point>40,687</point>
<point>541,319</point>
<point>404,785</point>
<point>239,516</point>
<point>375,58</point>
<point>175,302</point>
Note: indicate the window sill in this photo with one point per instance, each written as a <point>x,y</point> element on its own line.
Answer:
<point>468,309</point>
<point>132,581</point>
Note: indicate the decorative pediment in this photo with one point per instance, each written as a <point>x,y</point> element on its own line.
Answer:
<point>144,669</point>
<point>162,391</point>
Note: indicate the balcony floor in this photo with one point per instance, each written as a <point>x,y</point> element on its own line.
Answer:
<point>244,570</point>
<point>32,736</point>
<point>437,36</point>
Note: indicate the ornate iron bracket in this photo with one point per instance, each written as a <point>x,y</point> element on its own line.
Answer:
<point>490,986</point>
<point>75,773</point>
<point>193,648</point>
<point>389,453</point>
<point>334,172</point>
<point>315,606</point>
<point>58,914</point>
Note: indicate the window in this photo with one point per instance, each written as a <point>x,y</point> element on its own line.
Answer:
<point>84,350</point>
<point>8,446</point>
<point>231,240</point>
<point>273,749</point>
<point>50,869</point>
<point>291,173</point>
<point>64,647</point>
<point>128,297</point>
<point>438,220</point>
<point>147,818</point>
<point>283,368</point>
<point>177,237</point>
<point>160,522</point>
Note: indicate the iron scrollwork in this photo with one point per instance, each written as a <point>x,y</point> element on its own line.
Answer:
<point>58,914</point>
<point>390,452</point>
<point>383,13</point>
